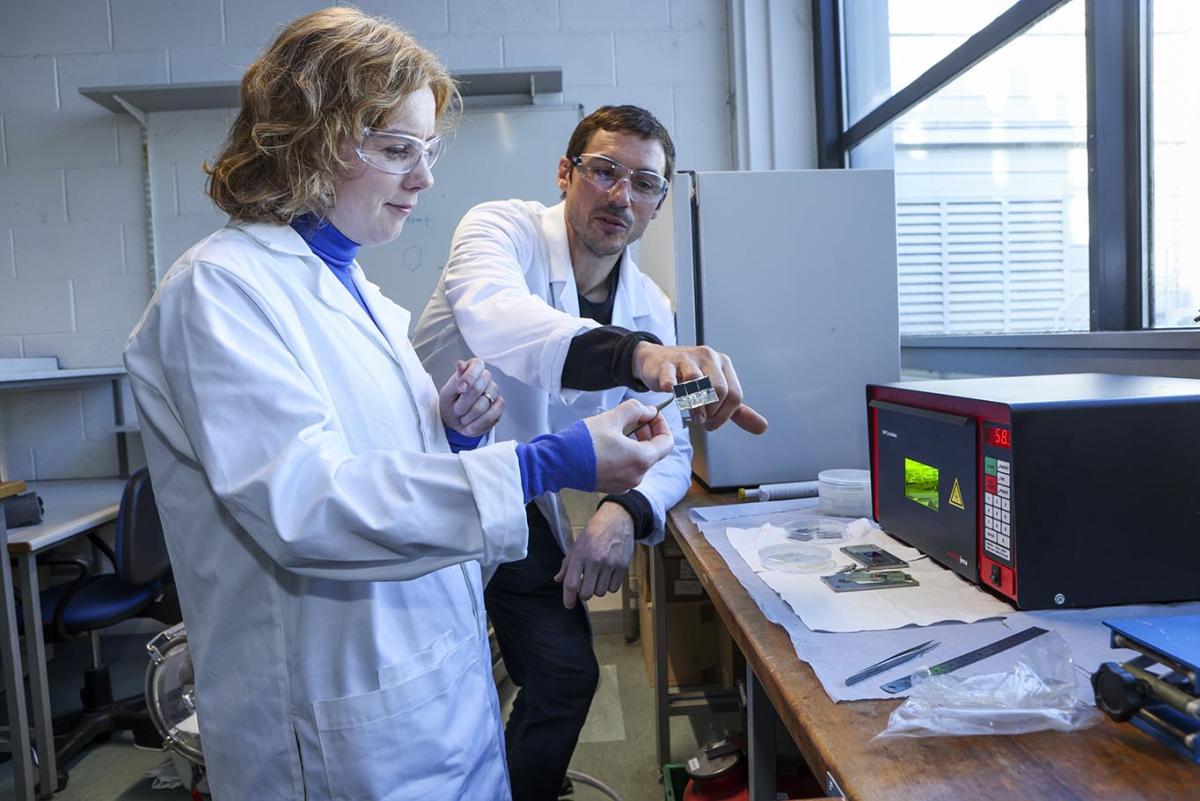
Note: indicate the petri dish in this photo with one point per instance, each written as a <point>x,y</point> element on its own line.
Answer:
<point>817,530</point>
<point>844,493</point>
<point>796,557</point>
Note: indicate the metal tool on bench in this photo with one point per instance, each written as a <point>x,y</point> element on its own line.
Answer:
<point>876,570</point>
<point>969,658</point>
<point>1159,690</point>
<point>872,557</point>
<point>892,661</point>
<point>855,578</point>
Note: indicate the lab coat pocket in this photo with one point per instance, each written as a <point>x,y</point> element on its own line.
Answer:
<point>415,665</point>
<point>416,739</point>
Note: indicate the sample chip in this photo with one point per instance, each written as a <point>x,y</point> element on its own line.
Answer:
<point>691,394</point>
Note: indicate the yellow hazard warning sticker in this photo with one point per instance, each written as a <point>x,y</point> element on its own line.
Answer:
<point>956,496</point>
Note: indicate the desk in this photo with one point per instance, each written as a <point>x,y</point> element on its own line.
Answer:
<point>10,664</point>
<point>72,508</point>
<point>1107,761</point>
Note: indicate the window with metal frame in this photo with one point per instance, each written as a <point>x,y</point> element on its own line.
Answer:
<point>1175,159</point>
<point>1103,139</point>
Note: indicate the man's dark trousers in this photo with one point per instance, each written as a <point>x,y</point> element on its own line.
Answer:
<point>547,651</point>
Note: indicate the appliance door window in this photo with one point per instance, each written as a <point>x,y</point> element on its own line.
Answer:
<point>927,474</point>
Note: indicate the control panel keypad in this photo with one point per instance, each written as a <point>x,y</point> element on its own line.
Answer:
<point>997,509</point>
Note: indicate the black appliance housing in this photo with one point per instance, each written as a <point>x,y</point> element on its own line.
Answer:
<point>1051,491</point>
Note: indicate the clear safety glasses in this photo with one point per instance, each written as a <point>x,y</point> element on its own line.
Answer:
<point>397,153</point>
<point>645,186</point>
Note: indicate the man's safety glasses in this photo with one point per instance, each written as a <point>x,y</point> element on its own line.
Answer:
<point>645,186</point>
<point>397,153</point>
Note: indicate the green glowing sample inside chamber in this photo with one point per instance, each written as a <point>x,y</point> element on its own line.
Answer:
<point>921,483</point>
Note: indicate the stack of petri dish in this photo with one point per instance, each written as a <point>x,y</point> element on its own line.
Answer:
<point>796,557</point>
<point>844,492</point>
<point>818,530</point>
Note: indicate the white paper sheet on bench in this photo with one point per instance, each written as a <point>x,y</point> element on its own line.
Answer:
<point>835,656</point>
<point>941,597</point>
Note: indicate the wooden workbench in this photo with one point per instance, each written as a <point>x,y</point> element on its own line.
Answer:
<point>1107,761</point>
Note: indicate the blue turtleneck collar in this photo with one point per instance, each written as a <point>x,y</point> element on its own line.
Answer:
<point>335,248</point>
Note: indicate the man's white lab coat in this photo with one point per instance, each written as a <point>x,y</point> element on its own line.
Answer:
<point>508,295</point>
<point>325,541</point>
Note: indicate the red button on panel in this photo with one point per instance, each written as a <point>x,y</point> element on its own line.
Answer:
<point>989,484</point>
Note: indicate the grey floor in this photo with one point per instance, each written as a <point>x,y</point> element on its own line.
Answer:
<point>616,746</point>
<point>113,770</point>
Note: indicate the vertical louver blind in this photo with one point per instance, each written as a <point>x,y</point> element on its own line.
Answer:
<point>973,266</point>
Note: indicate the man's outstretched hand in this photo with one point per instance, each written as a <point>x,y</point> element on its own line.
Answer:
<point>661,367</point>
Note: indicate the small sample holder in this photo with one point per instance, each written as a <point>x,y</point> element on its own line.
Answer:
<point>691,394</point>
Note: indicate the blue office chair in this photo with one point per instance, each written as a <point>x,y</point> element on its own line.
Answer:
<point>92,601</point>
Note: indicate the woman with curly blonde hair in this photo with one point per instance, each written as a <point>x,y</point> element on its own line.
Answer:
<point>327,509</point>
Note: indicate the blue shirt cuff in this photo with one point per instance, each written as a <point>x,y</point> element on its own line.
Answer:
<point>563,460</point>
<point>461,442</point>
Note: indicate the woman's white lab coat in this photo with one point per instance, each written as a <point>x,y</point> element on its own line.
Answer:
<point>508,295</point>
<point>326,543</point>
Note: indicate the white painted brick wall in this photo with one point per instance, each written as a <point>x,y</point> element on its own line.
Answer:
<point>67,249</point>
<point>421,17</point>
<point>211,62</point>
<point>706,142</point>
<point>74,263</point>
<point>488,16</point>
<point>8,268</point>
<point>468,52</point>
<point>626,15</point>
<point>49,27</point>
<point>58,139</point>
<point>15,462</point>
<point>36,306</point>
<point>137,255</point>
<point>658,98</point>
<point>104,193</point>
<point>698,14</point>
<point>50,424</point>
<point>678,57</point>
<point>250,22</point>
<point>28,83</point>
<point>99,300</point>
<point>32,196</point>
<point>157,24</point>
<point>586,58</point>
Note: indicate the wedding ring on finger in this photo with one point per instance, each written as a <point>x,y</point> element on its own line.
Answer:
<point>491,398</point>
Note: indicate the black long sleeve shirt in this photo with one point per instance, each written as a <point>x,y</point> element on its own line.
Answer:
<point>602,359</point>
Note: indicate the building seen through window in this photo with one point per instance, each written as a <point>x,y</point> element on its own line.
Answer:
<point>991,171</point>
<point>1175,158</point>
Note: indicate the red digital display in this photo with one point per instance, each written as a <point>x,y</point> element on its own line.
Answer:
<point>999,437</point>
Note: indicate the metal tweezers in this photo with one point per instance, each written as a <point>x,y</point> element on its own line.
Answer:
<point>659,407</point>
<point>892,661</point>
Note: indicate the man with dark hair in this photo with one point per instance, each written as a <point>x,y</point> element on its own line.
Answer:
<point>623,119</point>
<point>552,301</point>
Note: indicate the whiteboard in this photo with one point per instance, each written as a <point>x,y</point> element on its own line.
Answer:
<point>493,154</point>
